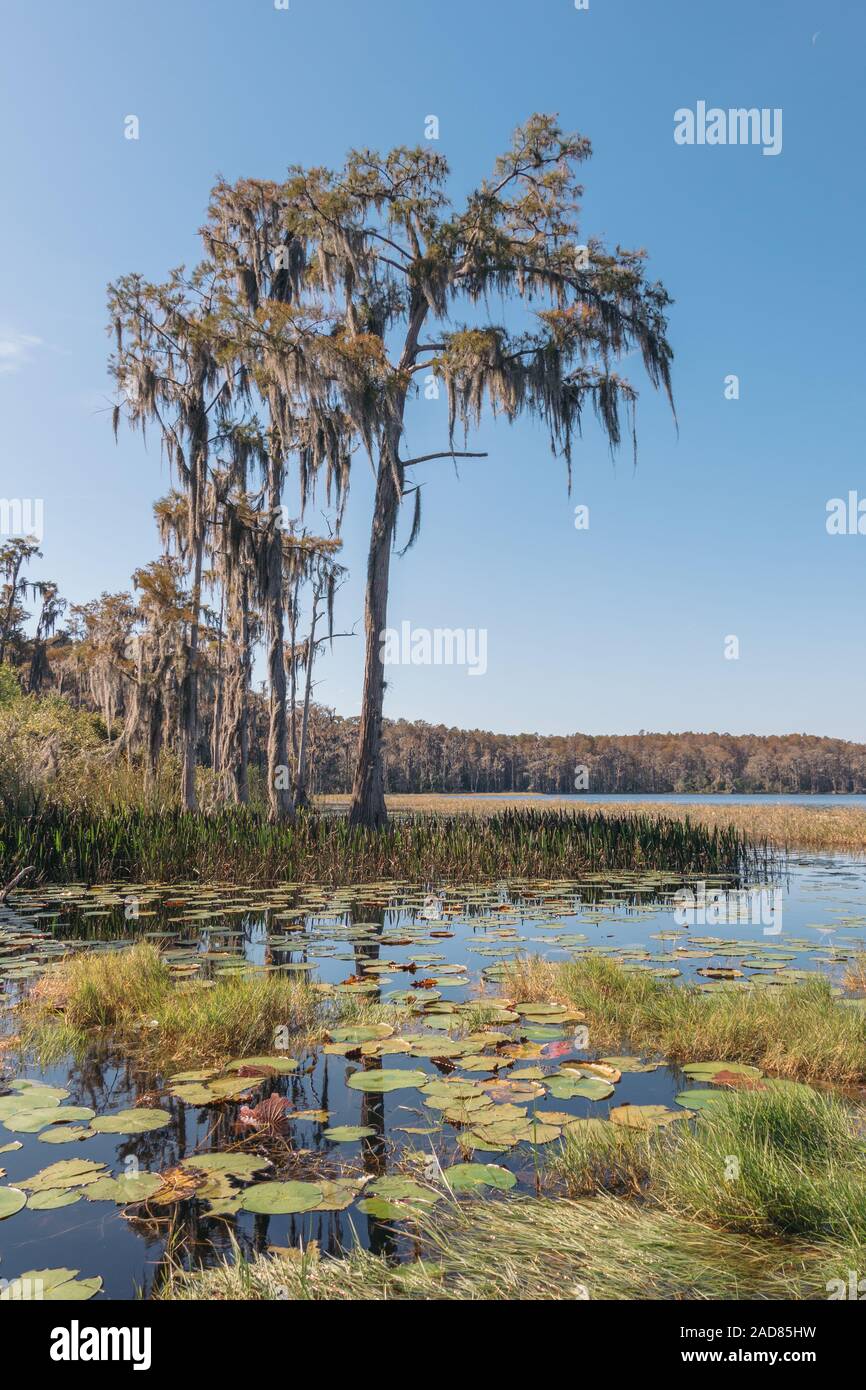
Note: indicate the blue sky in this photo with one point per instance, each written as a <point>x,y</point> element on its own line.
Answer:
<point>719,530</point>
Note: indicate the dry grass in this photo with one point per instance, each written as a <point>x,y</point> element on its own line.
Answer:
<point>854,977</point>
<point>533,1249</point>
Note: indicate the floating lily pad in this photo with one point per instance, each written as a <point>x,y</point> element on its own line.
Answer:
<point>698,1098</point>
<point>644,1116</point>
<point>11,1200</point>
<point>124,1190</point>
<point>386,1079</point>
<point>347,1134</point>
<point>66,1134</point>
<point>53,1197</point>
<point>282,1198</point>
<point>468,1177</point>
<point>69,1172</point>
<point>278,1062</point>
<point>31,1121</point>
<point>564,1086</point>
<point>132,1121</point>
<point>51,1285</point>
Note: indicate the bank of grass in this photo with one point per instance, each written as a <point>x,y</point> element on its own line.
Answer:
<point>132,995</point>
<point>802,1032</point>
<point>533,1249</point>
<point>80,844</point>
<point>787,1161</point>
<point>785,826</point>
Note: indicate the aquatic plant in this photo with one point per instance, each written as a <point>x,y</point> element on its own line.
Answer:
<point>799,1031</point>
<point>81,844</point>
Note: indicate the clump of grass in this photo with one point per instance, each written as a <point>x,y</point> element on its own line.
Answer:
<point>799,1031</point>
<point>785,1161</point>
<point>854,977</point>
<point>596,1156</point>
<point>529,1249</point>
<point>132,993</point>
<point>97,845</point>
<point>106,989</point>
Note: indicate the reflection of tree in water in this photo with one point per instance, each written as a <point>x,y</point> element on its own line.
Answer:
<point>374,1147</point>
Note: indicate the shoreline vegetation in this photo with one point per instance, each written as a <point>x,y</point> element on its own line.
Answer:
<point>621,1210</point>
<point>793,826</point>
<point>619,1214</point>
<point>80,844</point>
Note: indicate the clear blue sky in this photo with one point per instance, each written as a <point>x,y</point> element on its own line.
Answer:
<point>718,531</point>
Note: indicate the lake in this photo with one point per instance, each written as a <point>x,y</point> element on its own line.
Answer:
<point>388,945</point>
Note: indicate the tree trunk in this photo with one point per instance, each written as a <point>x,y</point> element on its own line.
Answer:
<point>279,788</point>
<point>189,691</point>
<point>301,776</point>
<point>368,792</point>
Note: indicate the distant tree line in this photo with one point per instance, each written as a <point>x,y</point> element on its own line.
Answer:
<point>422,757</point>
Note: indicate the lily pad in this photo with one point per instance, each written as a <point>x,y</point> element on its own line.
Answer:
<point>51,1285</point>
<point>644,1116</point>
<point>132,1121</point>
<point>11,1200</point>
<point>468,1177</point>
<point>386,1079</point>
<point>698,1098</point>
<point>282,1198</point>
<point>347,1134</point>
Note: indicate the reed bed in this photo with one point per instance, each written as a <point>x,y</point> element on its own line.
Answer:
<point>819,827</point>
<point>240,844</point>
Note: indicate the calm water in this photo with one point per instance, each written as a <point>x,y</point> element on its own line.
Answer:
<point>682,798</point>
<point>815,923</point>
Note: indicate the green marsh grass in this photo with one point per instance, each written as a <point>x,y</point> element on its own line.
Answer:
<point>785,1161</point>
<point>132,993</point>
<point>800,1031</point>
<point>84,845</point>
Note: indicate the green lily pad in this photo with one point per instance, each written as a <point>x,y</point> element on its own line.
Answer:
<point>705,1071</point>
<point>368,1032</point>
<point>31,1121</point>
<point>232,1165</point>
<point>52,1285</point>
<point>644,1116</point>
<point>383,1210</point>
<point>132,1121</point>
<point>125,1190</point>
<point>11,1200</point>
<point>66,1134</point>
<point>467,1177</point>
<point>347,1134</point>
<point>566,1086</point>
<point>282,1198</point>
<point>698,1099</point>
<point>69,1172</point>
<point>53,1197</point>
<point>386,1080</point>
<point>279,1063</point>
